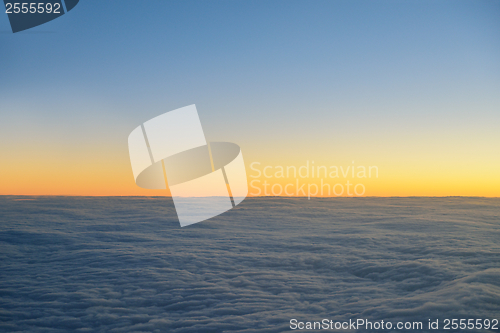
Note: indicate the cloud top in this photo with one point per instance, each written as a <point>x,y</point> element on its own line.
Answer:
<point>124,264</point>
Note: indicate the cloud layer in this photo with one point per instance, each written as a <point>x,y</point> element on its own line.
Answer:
<point>124,264</point>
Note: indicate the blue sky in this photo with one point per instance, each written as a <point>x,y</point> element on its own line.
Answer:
<point>286,75</point>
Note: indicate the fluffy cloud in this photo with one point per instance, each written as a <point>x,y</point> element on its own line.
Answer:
<point>124,264</point>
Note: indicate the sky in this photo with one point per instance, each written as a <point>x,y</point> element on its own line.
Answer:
<point>410,87</point>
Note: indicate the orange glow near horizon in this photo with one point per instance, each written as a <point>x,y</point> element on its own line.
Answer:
<point>85,177</point>
<point>409,166</point>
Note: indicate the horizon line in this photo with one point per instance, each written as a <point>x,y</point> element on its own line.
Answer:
<point>261,196</point>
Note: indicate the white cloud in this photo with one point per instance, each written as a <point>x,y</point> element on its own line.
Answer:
<point>124,264</point>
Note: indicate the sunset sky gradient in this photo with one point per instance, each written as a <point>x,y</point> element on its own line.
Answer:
<point>412,87</point>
